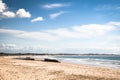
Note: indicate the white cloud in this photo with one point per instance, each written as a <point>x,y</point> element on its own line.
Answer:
<point>63,33</point>
<point>55,15</point>
<point>9,14</point>
<point>23,13</point>
<point>9,31</point>
<point>114,23</point>
<point>37,19</point>
<point>98,37</point>
<point>7,46</point>
<point>56,5</point>
<point>15,48</point>
<point>93,29</point>
<point>76,32</point>
<point>83,31</point>
<point>113,38</point>
<point>38,36</point>
<point>2,6</point>
<point>31,35</point>
<point>5,13</point>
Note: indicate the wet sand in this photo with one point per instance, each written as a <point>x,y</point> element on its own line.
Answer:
<point>14,69</point>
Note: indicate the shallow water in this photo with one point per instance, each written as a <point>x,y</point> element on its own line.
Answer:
<point>111,61</point>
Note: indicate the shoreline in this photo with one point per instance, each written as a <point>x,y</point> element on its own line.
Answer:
<point>93,65</point>
<point>98,63</point>
<point>42,57</point>
<point>12,69</point>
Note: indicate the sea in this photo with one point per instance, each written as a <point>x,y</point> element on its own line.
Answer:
<point>110,61</point>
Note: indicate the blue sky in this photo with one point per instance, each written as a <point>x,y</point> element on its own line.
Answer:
<point>60,26</point>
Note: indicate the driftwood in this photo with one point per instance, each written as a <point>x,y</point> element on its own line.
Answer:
<point>50,60</point>
<point>26,58</point>
<point>29,58</point>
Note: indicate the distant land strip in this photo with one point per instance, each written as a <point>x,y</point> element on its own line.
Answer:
<point>15,54</point>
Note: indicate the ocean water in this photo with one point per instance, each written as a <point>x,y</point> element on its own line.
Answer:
<point>111,61</point>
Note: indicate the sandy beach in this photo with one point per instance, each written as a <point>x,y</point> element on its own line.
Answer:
<point>14,69</point>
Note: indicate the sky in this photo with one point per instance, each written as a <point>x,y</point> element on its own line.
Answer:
<point>60,26</point>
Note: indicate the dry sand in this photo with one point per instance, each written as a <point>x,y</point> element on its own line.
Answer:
<point>14,69</point>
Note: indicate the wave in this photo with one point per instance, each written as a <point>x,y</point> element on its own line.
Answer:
<point>103,60</point>
<point>93,62</point>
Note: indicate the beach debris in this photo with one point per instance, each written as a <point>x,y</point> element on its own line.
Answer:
<point>26,58</point>
<point>50,60</point>
<point>29,58</point>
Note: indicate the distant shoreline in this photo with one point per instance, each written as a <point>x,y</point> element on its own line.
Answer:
<point>15,54</point>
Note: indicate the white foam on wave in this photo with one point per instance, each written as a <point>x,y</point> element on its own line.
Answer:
<point>88,61</point>
<point>93,62</point>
